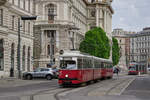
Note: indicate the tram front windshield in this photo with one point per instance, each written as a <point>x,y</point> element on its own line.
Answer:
<point>132,68</point>
<point>68,64</point>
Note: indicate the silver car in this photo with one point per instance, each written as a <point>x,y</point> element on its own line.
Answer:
<point>47,73</point>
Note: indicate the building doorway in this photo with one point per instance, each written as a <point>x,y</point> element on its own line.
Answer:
<point>12,61</point>
<point>1,55</point>
<point>28,60</point>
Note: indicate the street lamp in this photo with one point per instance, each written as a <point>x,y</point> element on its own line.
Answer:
<point>19,41</point>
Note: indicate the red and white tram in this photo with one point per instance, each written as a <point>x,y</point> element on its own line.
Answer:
<point>79,68</point>
<point>136,68</point>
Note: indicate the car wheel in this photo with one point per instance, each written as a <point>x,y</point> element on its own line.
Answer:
<point>48,77</point>
<point>29,77</point>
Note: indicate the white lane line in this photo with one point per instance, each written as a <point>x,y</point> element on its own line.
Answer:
<point>126,86</point>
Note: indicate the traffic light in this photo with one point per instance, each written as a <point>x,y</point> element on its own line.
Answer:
<point>28,17</point>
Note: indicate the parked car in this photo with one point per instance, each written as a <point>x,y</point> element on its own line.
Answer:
<point>148,70</point>
<point>56,72</point>
<point>47,73</point>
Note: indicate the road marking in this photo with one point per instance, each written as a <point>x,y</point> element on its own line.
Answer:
<point>126,86</point>
<point>71,91</point>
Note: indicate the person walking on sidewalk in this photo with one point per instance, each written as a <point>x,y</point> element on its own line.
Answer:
<point>117,71</point>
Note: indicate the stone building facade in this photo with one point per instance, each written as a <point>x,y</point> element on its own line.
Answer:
<point>124,44</point>
<point>62,24</point>
<point>140,47</point>
<point>10,13</point>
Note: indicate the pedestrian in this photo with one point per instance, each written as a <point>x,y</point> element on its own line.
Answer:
<point>117,71</point>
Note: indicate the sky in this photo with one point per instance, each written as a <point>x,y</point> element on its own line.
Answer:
<point>131,15</point>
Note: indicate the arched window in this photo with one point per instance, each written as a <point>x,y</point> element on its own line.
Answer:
<point>48,50</point>
<point>51,10</point>
<point>23,58</point>
<point>12,60</point>
<point>28,60</point>
<point>1,55</point>
<point>12,55</point>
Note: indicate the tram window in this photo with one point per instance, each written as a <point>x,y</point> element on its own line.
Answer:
<point>68,64</point>
<point>132,69</point>
<point>137,67</point>
<point>102,65</point>
<point>79,63</point>
<point>84,63</point>
<point>90,63</point>
<point>99,64</point>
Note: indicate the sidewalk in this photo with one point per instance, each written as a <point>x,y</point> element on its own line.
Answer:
<point>13,82</point>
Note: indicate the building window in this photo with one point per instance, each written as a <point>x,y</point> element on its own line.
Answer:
<point>23,58</point>
<point>1,55</point>
<point>24,4</point>
<point>51,11</point>
<point>13,22</point>
<point>93,13</point>
<point>13,1</point>
<point>92,1</point>
<point>92,27</point>
<point>29,5</point>
<point>53,49</point>
<point>28,27</point>
<point>1,17</point>
<point>28,60</point>
<point>24,26</point>
<point>51,33</point>
<point>18,3</point>
<point>48,50</point>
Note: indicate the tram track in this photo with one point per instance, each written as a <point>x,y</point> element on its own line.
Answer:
<point>58,93</point>
<point>116,85</point>
<point>57,97</point>
<point>41,93</point>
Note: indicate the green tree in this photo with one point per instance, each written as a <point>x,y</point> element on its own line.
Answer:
<point>115,51</point>
<point>96,43</point>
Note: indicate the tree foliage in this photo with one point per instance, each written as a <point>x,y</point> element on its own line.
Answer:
<point>115,51</point>
<point>96,43</point>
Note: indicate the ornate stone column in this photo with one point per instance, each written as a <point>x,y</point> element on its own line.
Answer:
<point>42,43</point>
<point>105,20</point>
<point>97,15</point>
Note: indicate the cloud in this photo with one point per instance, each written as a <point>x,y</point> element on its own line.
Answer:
<point>131,15</point>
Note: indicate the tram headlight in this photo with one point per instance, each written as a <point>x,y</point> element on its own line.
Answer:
<point>66,76</point>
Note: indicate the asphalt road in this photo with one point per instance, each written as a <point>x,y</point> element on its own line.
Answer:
<point>112,89</point>
<point>13,93</point>
<point>140,88</point>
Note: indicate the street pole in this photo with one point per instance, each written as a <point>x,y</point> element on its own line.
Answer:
<point>19,42</point>
<point>18,50</point>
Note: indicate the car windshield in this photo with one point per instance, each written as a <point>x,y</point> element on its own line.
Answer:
<point>67,64</point>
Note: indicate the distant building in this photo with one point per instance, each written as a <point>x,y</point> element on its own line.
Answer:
<point>124,45</point>
<point>61,25</point>
<point>140,46</point>
<point>10,12</point>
